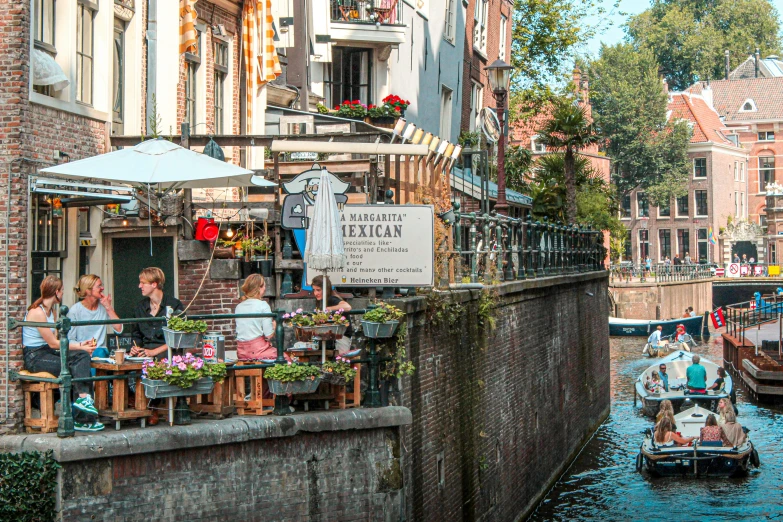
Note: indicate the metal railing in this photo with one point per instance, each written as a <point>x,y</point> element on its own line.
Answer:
<point>659,272</point>
<point>493,247</point>
<point>384,12</point>
<point>748,314</point>
<point>65,380</point>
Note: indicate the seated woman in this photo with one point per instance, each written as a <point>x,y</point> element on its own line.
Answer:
<point>711,432</point>
<point>42,353</point>
<point>93,306</point>
<point>735,435</point>
<point>666,409</point>
<point>720,382</point>
<point>254,334</point>
<point>655,385</point>
<point>320,285</point>
<point>666,436</point>
<point>724,405</point>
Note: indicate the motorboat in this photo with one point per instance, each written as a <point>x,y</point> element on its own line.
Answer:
<point>676,365</point>
<point>644,327</point>
<point>700,458</point>
<point>668,345</point>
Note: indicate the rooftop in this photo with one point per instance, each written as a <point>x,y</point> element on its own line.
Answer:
<point>764,95</point>
<point>707,126</point>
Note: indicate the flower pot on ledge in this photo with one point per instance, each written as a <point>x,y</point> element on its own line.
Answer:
<point>293,387</point>
<point>157,389</point>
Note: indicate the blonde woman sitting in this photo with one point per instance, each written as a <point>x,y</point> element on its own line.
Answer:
<point>254,334</point>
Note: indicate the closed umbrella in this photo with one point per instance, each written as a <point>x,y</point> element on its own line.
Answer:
<point>325,250</point>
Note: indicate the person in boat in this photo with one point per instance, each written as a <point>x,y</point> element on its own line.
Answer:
<point>666,436</point>
<point>697,376</point>
<point>664,380</point>
<point>666,409</point>
<point>732,429</point>
<point>655,338</point>
<point>686,314</point>
<point>723,406</point>
<point>691,313</point>
<point>720,382</point>
<point>654,385</point>
<point>711,432</point>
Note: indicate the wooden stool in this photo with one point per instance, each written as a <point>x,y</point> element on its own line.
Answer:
<point>344,399</point>
<point>257,402</point>
<point>219,403</point>
<point>48,420</point>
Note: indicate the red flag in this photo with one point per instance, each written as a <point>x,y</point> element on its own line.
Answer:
<point>717,318</point>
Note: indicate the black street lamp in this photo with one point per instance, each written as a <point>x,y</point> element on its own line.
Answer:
<point>499,74</point>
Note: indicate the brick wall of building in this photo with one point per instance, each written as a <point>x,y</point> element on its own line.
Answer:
<point>497,414</point>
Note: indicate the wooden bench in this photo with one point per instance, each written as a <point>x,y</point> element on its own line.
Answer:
<point>47,422</point>
<point>257,405</point>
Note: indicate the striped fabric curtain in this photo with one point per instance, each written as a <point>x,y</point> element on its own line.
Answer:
<point>188,38</point>
<point>261,62</point>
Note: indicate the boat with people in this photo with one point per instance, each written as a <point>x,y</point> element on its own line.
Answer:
<point>644,327</point>
<point>678,341</point>
<point>676,365</point>
<point>701,457</point>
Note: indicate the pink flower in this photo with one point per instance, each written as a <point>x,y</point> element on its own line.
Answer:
<point>177,359</point>
<point>299,310</point>
<point>182,366</point>
<point>169,372</point>
<point>198,364</point>
<point>286,316</point>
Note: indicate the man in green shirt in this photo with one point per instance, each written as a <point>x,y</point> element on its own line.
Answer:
<point>697,376</point>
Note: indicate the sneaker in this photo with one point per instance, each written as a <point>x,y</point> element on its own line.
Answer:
<point>86,405</point>
<point>95,426</point>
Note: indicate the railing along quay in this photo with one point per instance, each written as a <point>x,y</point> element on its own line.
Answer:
<point>659,273</point>
<point>747,314</point>
<point>494,247</point>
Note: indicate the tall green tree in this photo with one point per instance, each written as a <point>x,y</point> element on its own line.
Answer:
<point>689,37</point>
<point>630,112</point>
<point>568,130</point>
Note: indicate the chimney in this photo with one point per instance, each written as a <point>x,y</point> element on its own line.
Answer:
<point>727,64</point>
<point>665,85</point>
<point>757,62</point>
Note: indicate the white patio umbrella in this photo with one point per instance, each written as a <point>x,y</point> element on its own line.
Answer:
<point>159,165</point>
<point>325,250</point>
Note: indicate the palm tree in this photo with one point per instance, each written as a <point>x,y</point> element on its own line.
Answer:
<point>569,130</point>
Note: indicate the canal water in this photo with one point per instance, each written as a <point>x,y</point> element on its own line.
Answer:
<point>602,483</point>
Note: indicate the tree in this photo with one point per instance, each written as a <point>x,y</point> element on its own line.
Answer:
<point>689,37</point>
<point>570,130</point>
<point>630,111</point>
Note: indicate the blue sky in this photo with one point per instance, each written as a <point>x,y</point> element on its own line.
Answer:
<point>610,25</point>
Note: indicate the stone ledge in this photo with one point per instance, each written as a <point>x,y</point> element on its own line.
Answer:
<point>111,443</point>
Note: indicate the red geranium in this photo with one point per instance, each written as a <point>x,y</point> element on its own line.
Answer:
<point>396,102</point>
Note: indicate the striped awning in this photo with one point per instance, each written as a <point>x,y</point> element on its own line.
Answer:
<point>188,37</point>
<point>262,64</point>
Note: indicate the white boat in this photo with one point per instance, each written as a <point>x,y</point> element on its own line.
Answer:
<point>699,459</point>
<point>676,365</point>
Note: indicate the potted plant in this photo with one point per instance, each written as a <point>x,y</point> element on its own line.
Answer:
<point>224,249</point>
<point>382,116</point>
<point>381,322</point>
<point>396,103</point>
<point>180,332</point>
<point>337,372</point>
<point>184,375</point>
<point>251,246</point>
<point>292,378</point>
<point>319,324</point>
<point>353,110</point>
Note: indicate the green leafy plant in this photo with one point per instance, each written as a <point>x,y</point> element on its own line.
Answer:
<point>322,109</point>
<point>382,111</point>
<point>322,317</point>
<point>292,372</point>
<point>382,313</point>
<point>298,318</point>
<point>486,309</point>
<point>399,365</point>
<point>28,482</point>
<point>181,324</point>
<point>351,109</point>
<point>257,244</point>
<point>340,366</point>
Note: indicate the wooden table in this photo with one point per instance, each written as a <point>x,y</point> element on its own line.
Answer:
<point>120,409</point>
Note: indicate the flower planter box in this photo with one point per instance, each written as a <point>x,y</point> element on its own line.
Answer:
<point>293,387</point>
<point>379,330</point>
<point>326,332</point>
<point>333,378</point>
<point>156,389</point>
<point>180,340</point>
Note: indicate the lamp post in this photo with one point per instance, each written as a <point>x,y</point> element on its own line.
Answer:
<point>499,74</point>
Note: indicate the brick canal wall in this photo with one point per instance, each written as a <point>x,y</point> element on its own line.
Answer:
<point>661,300</point>
<point>498,414</point>
<point>338,465</point>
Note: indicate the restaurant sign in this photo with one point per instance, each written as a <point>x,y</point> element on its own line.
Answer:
<point>385,245</point>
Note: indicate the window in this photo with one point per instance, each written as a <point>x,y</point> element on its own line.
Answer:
<point>349,76</point>
<point>451,20</point>
<point>700,167</point>
<point>683,242</point>
<point>539,147</point>
<point>625,210</point>
<point>628,254</point>
<point>763,220</point>
<point>445,112</point>
<point>766,171</point>
<point>502,43</point>
<point>766,136</point>
<point>665,210</point>
<point>773,258</point>
<point>644,244</point>
<point>702,240</point>
<point>192,63</point>
<point>742,171</point>
<point>48,242</point>
<point>220,55</point>
<point>736,204</point>
<point>480,26</point>
<point>118,77</point>
<point>742,204</point>
<point>476,97</point>
<point>682,206</point>
<point>43,24</point>
<point>701,202</point>
<point>665,243</point>
<point>643,208</point>
<point>85,20</point>
<point>736,171</point>
<point>748,106</point>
